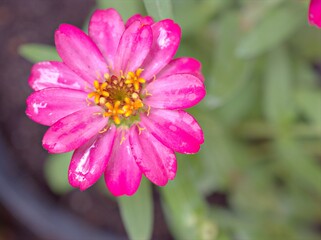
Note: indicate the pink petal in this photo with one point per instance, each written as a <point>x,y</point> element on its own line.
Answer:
<point>133,47</point>
<point>49,105</point>
<point>315,13</point>
<point>122,175</point>
<point>175,129</point>
<point>181,65</point>
<point>74,130</point>
<point>166,38</point>
<point>137,17</point>
<point>156,161</point>
<point>177,91</point>
<point>89,161</point>
<point>106,28</point>
<point>80,53</point>
<point>54,74</point>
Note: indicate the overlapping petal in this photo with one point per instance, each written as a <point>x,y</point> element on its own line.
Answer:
<point>137,17</point>
<point>182,65</point>
<point>157,162</point>
<point>54,74</point>
<point>49,105</point>
<point>105,29</point>
<point>166,39</point>
<point>315,13</point>
<point>89,161</point>
<point>80,53</point>
<point>146,123</point>
<point>133,47</point>
<point>175,129</point>
<point>122,175</point>
<point>74,130</point>
<point>177,91</point>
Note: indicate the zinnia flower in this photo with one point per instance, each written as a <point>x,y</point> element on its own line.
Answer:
<point>117,99</point>
<point>315,12</point>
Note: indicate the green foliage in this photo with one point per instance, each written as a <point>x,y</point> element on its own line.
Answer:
<point>277,87</point>
<point>56,172</point>
<point>261,120</point>
<point>185,209</point>
<point>274,28</point>
<point>226,79</point>
<point>137,212</point>
<point>35,52</point>
<point>159,9</point>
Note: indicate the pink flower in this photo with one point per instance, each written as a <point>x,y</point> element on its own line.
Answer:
<point>117,99</point>
<point>315,12</point>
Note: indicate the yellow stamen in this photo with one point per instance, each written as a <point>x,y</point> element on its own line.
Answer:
<point>96,84</point>
<point>122,140</point>
<point>97,97</point>
<point>102,101</point>
<point>139,71</point>
<point>90,95</point>
<point>140,129</point>
<point>116,119</point>
<point>103,130</point>
<point>118,95</point>
<point>114,111</point>
<point>135,79</point>
<point>105,94</point>
<point>135,95</point>
<point>148,111</point>
<point>147,93</point>
<point>106,76</point>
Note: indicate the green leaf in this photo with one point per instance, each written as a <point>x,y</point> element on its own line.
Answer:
<point>126,8</point>
<point>275,28</point>
<point>35,52</point>
<point>218,156</point>
<point>305,75</point>
<point>309,102</point>
<point>137,212</point>
<point>278,95</point>
<point>194,15</point>
<point>159,9</point>
<point>56,172</point>
<point>306,43</point>
<point>229,73</point>
<point>243,103</point>
<point>299,167</point>
<point>184,207</point>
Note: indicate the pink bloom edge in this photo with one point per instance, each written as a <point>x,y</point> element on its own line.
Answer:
<point>315,13</point>
<point>121,154</point>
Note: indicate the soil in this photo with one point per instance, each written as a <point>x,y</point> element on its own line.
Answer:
<point>34,21</point>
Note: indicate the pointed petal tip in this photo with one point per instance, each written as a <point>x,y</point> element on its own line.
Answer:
<point>89,161</point>
<point>54,147</point>
<point>147,20</point>
<point>79,52</point>
<point>122,175</point>
<point>166,39</point>
<point>178,91</point>
<point>50,74</point>
<point>106,28</point>
<point>119,190</point>
<point>78,181</point>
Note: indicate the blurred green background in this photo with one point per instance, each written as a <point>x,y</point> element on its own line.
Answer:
<point>258,174</point>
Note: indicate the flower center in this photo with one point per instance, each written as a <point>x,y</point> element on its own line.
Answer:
<point>120,96</point>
